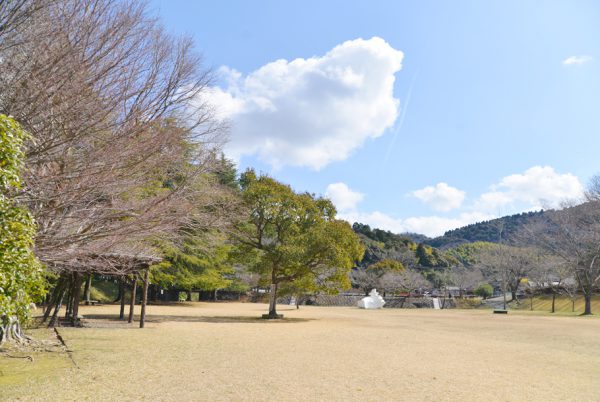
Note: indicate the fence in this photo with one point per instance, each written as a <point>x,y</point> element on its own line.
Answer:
<point>350,300</point>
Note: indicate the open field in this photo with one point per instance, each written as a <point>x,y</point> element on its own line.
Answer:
<point>222,351</point>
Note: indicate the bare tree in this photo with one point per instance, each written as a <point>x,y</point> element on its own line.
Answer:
<point>552,273</point>
<point>365,280</point>
<point>507,266</point>
<point>122,132</point>
<point>573,234</point>
<point>465,278</point>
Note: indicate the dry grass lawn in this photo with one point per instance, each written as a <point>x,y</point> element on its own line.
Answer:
<point>221,351</point>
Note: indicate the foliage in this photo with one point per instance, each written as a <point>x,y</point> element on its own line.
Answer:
<point>384,266</point>
<point>391,240</point>
<point>468,254</point>
<point>21,275</point>
<point>431,257</point>
<point>294,237</point>
<point>484,290</point>
<point>194,264</point>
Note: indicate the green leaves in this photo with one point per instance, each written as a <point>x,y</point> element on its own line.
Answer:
<point>294,237</point>
<point>21,275</point>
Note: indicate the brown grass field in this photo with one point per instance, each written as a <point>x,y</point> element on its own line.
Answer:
<point>222,351</point>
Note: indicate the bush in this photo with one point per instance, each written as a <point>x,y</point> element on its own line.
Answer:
<point>472,302</point>
<point>484,290</point>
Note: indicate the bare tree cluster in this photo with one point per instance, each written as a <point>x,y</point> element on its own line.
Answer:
<point>122,134</point>
<point>573,236</point>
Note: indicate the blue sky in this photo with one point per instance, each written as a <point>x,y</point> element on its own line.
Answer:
<point>412,116</point>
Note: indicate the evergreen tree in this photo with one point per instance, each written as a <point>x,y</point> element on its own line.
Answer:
<point>21,275</point>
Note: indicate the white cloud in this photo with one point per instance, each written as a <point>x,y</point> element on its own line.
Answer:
<point>442,197</point>
<point>577,60</point>
<point>311,112</point>
<point>343,197</point>
<point>536,188</point>
<point>431,226</point>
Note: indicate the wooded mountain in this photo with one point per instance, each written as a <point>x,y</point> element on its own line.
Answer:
<point>492,231</point>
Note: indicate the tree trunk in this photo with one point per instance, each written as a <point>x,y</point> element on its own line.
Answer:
<point>76,298</point>
<point>11,331</point>
<point>69,301</point>
<point>588,304</point>
<point>553,302</point>
<point>54,318</point>
<point>87,289</point>
<point>504,298</point>
<point>215,294</point>
<point>53,299</point>
<point>272,304</point>
<point>572,305</point>
<point>122,296</point>
<point>132,301</point>
<point>144,299</point>
<point>189,296</point>
<point>531,307</point>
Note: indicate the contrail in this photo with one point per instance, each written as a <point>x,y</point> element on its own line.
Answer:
<point>396,130</point>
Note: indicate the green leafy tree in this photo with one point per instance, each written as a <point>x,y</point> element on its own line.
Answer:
<point>484,291</point>
<point>21,275</point>
<point>291,238</point>
<point>195,264</point>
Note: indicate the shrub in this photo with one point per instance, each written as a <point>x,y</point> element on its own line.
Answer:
<point>484,290</point>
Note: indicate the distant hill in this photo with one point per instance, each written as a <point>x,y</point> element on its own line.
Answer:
<point>494,231</point>
<point>409,249</point>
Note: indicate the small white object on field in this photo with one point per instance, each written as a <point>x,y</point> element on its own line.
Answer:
<point>373,301</point>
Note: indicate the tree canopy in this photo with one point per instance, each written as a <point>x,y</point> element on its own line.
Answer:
<point>291,237</point>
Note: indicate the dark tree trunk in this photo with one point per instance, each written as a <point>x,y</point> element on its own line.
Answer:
<point>121,294</point>
<point>189,296</point>
<point>56,293</point>
<point>76,297</point>
<point>69,300</point>
<point>122,297</point>
<point>572,305</point>
<point>54,318</point>
<point>553,302</point>
<point>273,304</point>
<point>215,295</point>
<point>588,304</point>
<point>132,301</point>
<point>144,300</point>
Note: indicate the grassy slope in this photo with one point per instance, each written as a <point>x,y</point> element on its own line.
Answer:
<point>563,304</point>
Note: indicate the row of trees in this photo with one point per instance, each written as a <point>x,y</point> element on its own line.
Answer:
<point>122,152</point>
<point>122,160</point>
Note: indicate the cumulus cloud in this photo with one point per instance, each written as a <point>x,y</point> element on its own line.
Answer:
<point>538,187</point>
<point>577,60</point>
<point>440,197</point>
<point>343,197</point>
<point>311,112</point>
<point>431,226</point>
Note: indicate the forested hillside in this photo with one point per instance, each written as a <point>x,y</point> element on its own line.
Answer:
<point>382,244</point>
<point>493,231</point>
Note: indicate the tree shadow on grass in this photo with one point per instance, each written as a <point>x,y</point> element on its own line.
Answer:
<point>94,320</point>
